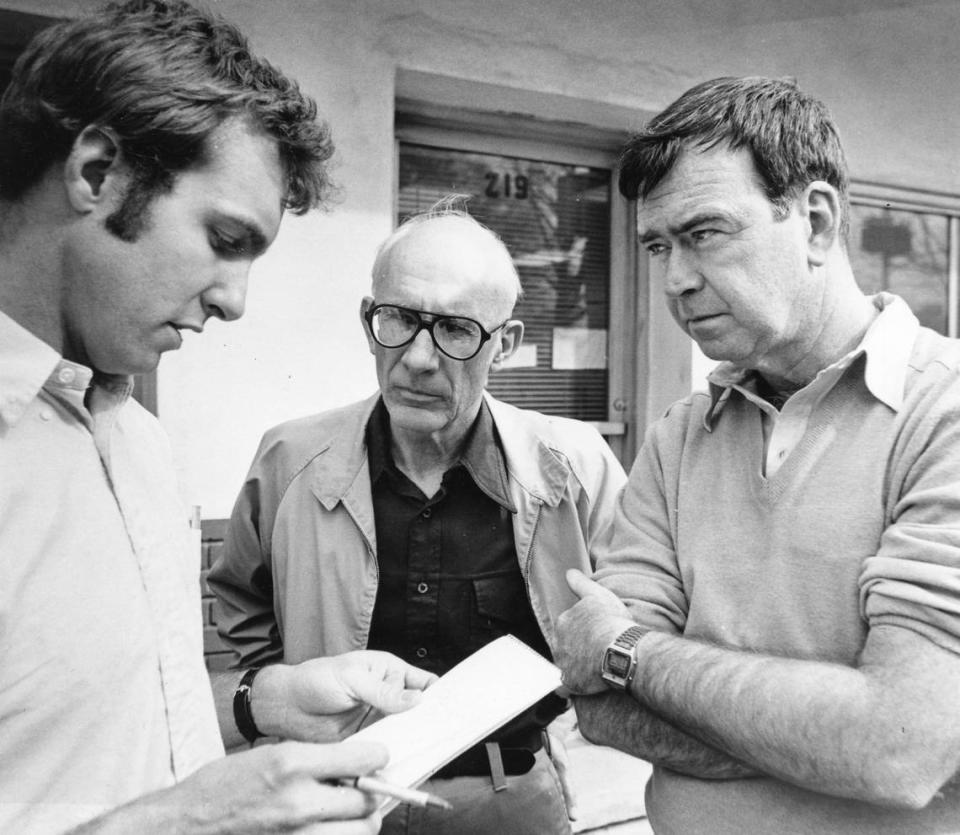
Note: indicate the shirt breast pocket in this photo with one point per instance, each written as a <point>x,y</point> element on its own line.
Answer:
<point>501,608</point>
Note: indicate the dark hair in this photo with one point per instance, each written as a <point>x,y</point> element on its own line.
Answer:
<point>162,76</point>
<point>791,136</point>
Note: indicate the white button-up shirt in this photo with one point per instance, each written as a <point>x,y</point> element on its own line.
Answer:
<point>103,691</point>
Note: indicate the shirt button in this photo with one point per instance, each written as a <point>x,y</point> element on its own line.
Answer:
<point>421,653</point>
<point>427,513</point>
<point>423,588</point>
<point>45,413</point>
<point>66,375</point>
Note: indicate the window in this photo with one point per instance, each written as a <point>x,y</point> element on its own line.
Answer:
<point>555,220</point>
<point>907,243</point>
<point>540,169</point>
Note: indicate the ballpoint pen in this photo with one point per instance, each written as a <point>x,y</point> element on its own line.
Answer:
<point>412,797</point>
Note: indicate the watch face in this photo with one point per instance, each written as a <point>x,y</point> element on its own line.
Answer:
<point>618,664</point>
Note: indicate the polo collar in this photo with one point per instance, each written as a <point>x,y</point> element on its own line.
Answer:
<point>887,346</point>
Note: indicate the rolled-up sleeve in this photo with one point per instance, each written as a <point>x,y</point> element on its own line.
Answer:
<point>639,563</point>
<point>913,581</point>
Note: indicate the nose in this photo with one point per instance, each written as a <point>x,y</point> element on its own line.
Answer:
<point>681,274</point>
<point>421,354</point>
<point>226,297</point>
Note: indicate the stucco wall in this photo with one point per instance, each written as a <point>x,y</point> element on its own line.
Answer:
<point>889,71</point>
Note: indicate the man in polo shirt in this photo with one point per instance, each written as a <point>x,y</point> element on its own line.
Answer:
<point>775,624</point>
<point>429,519</point>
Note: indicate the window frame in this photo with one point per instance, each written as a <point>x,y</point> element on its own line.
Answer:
<point>899,198</point>
<point>456,128</point>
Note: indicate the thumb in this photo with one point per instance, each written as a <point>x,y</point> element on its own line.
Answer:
<point>581,585</point>
<point>389,694</point>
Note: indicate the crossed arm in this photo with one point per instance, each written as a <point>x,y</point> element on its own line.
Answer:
<point>886,731</point>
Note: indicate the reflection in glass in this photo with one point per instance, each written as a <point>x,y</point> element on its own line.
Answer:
<point>905,253</point>
<point>555,220</point>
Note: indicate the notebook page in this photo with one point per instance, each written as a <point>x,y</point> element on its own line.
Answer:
<point>472,700</point>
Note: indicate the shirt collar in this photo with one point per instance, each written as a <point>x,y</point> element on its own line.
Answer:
<point>482,455</point>
<point>886,345</point>
<point>26,364</point>
<point>483,459</point>
<point>378,441</point>
<point>29,365</point>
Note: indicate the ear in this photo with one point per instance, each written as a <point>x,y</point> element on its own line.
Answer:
<point>508,340</point>
<point>365,305</point>
<point>821,205</point>
<point>93,172</point>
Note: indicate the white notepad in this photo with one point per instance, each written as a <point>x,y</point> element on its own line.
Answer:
<point>476,697</point>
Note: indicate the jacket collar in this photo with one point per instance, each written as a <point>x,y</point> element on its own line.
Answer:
<point>531,463</point>
<point>536,468</point>
<point>344,454</point>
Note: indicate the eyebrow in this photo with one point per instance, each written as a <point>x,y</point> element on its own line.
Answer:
<point>429,312</point>
<point>255,242</point>
<point>686,226</point>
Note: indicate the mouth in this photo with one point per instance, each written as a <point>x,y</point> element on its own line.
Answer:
<point>704,319</point>
<point>179,327</point>
<point>415,395</point>
<point>176,337</point>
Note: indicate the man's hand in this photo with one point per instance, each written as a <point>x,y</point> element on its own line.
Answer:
<point>328,698</point>
<point>584,631</point>
<point>269,789</point>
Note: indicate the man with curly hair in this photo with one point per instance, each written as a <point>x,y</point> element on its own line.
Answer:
<point>146,160</point>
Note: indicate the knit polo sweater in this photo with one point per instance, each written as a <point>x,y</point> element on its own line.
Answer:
<point>859,526</point>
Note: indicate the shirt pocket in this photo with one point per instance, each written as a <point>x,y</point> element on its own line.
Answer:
<point>501,607</point>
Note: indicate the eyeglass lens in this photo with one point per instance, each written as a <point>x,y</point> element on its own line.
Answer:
<point>456,336</point>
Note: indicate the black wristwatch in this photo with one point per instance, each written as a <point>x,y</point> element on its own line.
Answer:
<point>620,660</point>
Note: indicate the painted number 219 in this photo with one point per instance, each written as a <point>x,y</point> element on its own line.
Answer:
<point>507,185</point>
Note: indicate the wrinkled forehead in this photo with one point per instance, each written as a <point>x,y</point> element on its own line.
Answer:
<point>701,182</point>
<point>447,265</point>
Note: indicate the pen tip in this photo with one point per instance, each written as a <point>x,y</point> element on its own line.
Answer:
<point>439,802</point>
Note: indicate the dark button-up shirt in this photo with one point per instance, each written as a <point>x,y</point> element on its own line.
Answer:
<point>450,581</point>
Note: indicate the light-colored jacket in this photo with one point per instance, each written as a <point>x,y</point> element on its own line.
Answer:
<point>298,575</point>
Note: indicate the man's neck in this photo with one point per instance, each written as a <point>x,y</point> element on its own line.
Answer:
<point>424,458</point>
<point>30,272</point>
<point>842,326</point>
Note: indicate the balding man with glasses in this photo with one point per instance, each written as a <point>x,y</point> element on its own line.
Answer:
<point>429,519</point>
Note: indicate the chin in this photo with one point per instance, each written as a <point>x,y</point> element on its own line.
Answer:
<point>413,419</point>
<point>128,366</point>
<point>720,351</point>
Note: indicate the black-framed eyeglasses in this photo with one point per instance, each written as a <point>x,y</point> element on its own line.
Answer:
<point>458,337</point>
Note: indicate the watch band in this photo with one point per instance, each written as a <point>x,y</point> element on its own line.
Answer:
<point>242,713</point>
<point>619,660</point>
<point>628,638</point>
